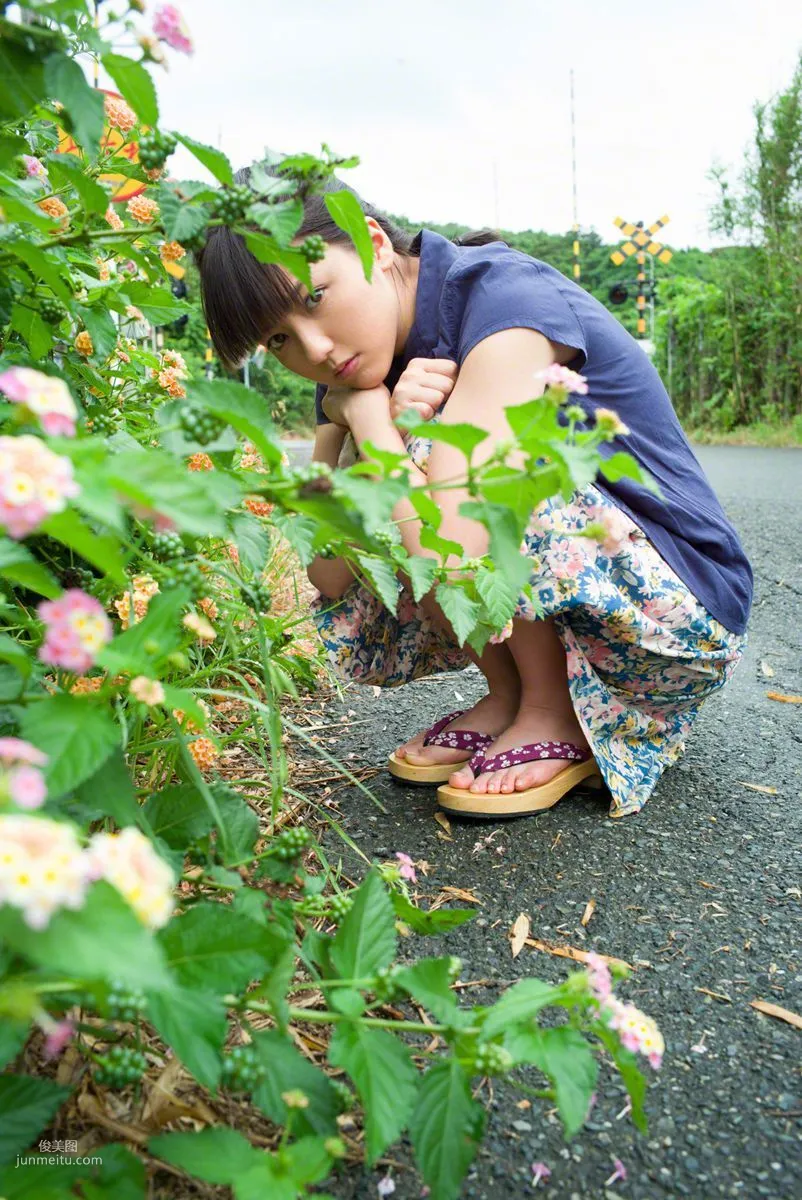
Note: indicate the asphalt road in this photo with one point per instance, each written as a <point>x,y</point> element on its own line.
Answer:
<point>701,890</point>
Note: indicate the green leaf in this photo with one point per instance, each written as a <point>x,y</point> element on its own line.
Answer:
<point>444,547</point>
<point>102,550</point>
<point>566,1057</point>
<point>141,646</point>
<point>181,221</point>
<point>275,985</point>
<point>429,982</point>
<point>157,305</point>
<point>421,573</point>
<point>286,1068</point>
<point>18,565</point>
<point>13,1036</point>
<point>109,792</point>
<point>135,85</point>
<point>15,654</point>
<point>521,1003</point>
<point>346,211</point>
<point>100,325</point>
<point>266,250</point>
<point>22,72</point>
<point>440,920</point>
<point>112,1170</point>
<point>385,1077</point>
<point>460,610</point>
<point>179,815</point>
<point>464,436</point>
<point>75,733</point>
<point>214,949</point>
<point>373,499</point>
<point>365,941</point>
<point>194,1024</point>
<point>281,220</point>
<point>65,81</point>
<point>244,409</point>
<point>27,322</point>
<point>426,508</point>
<point>621,466</point>
<point>102,940</point>
<point>43,265</point>
<point>499,597</point>
<point>444,1128</point>
<point>213,160</point>
<point>383,578</point>
<point>627,1064</point>
<point>300,533</point>
<point>240,826</point>
<point>68,169</point>
<point>252,540</point>
<point>154,479</point>
<point>506,534</point>
<point>217,1154</point>
<point>27,1106</point>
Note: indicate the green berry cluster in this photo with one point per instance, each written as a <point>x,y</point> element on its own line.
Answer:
<point>155,147</point>
<point>314,248</point>
<point>339,907</point>
<point>327,551</point>
<point>185,573</point>
<point>52,311</point>
<point>492,1059</point>
<point>242,1070</point>
<point>257,596</point>
<point>125,1004</point>
<point>290,843</point>
<point>311,471</point>
<point>231,203</point>
<point>388,536</point>
<point>106,423</point>
<point>386,988</point>
<point>119,1066</point>
<point>168,546</point>
<point>199,424</point>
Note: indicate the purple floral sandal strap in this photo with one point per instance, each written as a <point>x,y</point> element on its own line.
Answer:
<point>532,752</point>
<point>455,739</point>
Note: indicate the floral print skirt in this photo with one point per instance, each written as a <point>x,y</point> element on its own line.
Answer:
<point>642,653</point>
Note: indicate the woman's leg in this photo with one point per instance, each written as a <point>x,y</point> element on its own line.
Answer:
<point>545,711</point>
<point>492,714</point>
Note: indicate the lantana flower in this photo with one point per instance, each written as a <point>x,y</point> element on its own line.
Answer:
<point>76,630</point>
<point>200,462</point>
<point>147,691</point>
<point>21,779</point>
<point>119,114</point>
<point>83,343</point>
<point>171,251</point>
<point>113,218</point>
<point>204,752</point>
<point>44,397</point>
<point>43,867</point>
<point>142,209</point>
<point>173,360</point>
<point>55,208</point>
<point>407,867</point>
<point>128,861</point>
<point>503,634</point>
<point>609,421</point>
<point>170,380</point>
<point>637,1032</point>
<point>557,376</point>
<point>144,588</point>
<point>169,27</point>
<point>34,482</point>
<point>599,976</point>
<point>203,630</point>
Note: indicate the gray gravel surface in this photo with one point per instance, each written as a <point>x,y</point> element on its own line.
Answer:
<point>701,891</point>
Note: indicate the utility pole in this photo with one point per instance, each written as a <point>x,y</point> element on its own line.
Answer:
<point>577,269</point>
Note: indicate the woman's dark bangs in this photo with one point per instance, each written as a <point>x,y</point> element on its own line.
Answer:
<point>242,298</point>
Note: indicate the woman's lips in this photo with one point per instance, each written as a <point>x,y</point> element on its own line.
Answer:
<point>348,368</point>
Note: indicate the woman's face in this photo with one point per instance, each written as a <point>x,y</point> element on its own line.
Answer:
<point>346,321</point>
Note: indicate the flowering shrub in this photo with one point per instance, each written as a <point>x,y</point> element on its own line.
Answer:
<point>132,587</point>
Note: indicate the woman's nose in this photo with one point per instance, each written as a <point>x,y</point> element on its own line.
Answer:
<point>316,345</point>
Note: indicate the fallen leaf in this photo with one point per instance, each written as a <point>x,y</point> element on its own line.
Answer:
<point>376,690</point>
<point>588,913</point>
<point>774,1010</point>
<point>519,933</point>
<point>444,836</point>
<point>758,787</point>
<point>715,995</point>
<point>460,894</point>
<point>572,952</point>
<point>766,669</point>
<point>523,1104</point>
<point>783,698</point>
<point>443,821</point>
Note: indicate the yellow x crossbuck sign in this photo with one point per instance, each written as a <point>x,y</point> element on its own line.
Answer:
<point>642,239</point>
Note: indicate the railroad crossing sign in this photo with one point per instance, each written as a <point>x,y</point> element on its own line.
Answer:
<point>640,242</point>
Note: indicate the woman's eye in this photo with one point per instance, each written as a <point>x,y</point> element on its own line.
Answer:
<point>271,342</point>
<point>314,298</point>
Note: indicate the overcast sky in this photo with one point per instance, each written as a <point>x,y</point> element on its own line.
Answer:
<point>460,109</point>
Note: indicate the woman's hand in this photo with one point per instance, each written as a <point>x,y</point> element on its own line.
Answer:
<point>425,385</point>
<point>343,405</point>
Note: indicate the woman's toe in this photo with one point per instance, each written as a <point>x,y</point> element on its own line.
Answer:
<point>463,778</point>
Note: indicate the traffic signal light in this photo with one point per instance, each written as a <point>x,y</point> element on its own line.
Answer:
<point>617,294</point>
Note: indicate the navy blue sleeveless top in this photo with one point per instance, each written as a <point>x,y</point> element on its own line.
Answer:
<point>467,293</point>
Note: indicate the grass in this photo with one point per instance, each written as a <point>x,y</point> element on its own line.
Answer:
<point>760,433</point>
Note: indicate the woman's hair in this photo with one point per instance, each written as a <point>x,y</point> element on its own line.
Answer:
<point>243,297</point>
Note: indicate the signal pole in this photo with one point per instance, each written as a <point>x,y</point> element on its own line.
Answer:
<point>642,243</point>
<point>577,269</point>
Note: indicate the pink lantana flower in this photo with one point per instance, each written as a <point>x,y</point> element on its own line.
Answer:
<point>169,27</point>
<point>636,1031</point>
<point>407,867</point>
<point>496,639</point>
<point>44,397</point>
<point>34,482</point>
<point>34,169</point>
<point>599,977</point>
<point>57,1038</point>
<point>76,630</point>
<point>557,376</point>
<point>147,691</point>
<point>21,780</point>
<point>539,1171</point>
<point>620,1172</point>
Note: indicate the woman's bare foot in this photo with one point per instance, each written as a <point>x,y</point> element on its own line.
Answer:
<point>491,715</point>
<point>529,725</point>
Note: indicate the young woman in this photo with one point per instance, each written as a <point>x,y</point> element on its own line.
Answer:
<point>631,635</point>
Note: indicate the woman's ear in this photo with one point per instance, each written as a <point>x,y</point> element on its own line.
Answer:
<point>382,246</point>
